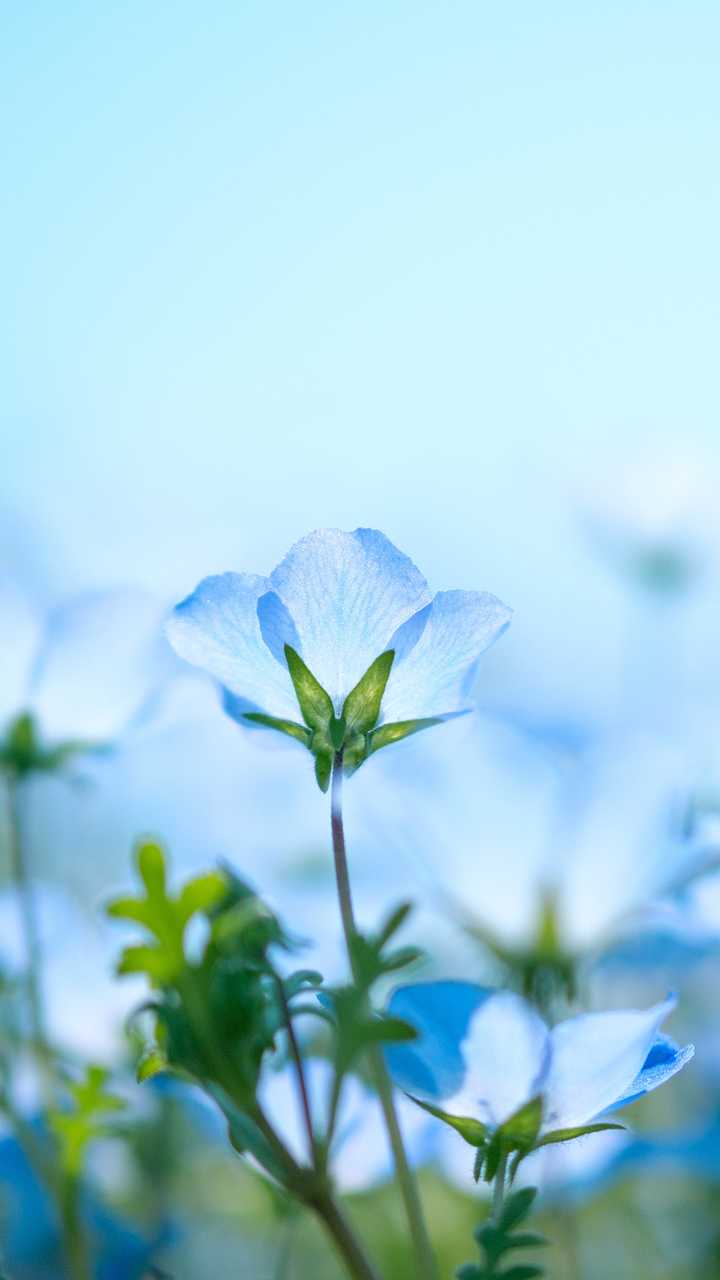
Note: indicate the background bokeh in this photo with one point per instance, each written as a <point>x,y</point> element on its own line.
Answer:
<point>446,270</point>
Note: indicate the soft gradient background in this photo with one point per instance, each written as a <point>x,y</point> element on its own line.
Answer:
<point>450,270</point>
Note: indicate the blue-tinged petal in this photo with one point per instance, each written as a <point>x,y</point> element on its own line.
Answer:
<point>435,676</point>
<point>507,1054</point>
<point>432,1066</point>
<point>20,630</point>
<point>347,594</point>
<point>102,658</point>
<point>218,628</point>
<point>664,1060</point>
<point>596,1058</point>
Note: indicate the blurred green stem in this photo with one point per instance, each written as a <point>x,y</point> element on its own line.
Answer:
<point>499,1189</point>
<point>427,1268</point>
<point>29,923</point>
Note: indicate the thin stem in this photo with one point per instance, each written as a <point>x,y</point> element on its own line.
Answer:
<point>499,1189</point>
<point>299,1068</point>
<point>315,1194</point>
<point>28,920</point>
<point>427,1269</point>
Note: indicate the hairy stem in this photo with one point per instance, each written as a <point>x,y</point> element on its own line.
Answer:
<point>427,1269</point>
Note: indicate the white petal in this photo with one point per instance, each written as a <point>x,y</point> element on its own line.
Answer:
<point>102,657</point>
<point>217,628</point>
<point>507,1053</point>
<point>596,1057</point>
<point>347,594</point>
<point>435,676</point>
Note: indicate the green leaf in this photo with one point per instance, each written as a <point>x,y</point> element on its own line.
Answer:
<point>473,1131</point>
<point>86,1118</point>
<point>390,733</point>
<point>470,1271</point>
<point>302,980</point>
<point>566,1135</point>
<point>394,921</point>
<point>152,1062</point>
<point>361,709</point>
<point>160,966</point>
<point>517,1207</point>
<point>315,704</point>
<point>386,1029</point>
<point>520,1131</point>
<point>289,727</point>
<point>528,1272</point>
<point>201,894</point>
<point>323,770</point>
<point>151,865</point>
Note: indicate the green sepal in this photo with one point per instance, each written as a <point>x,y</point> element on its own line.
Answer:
<point>566,1135</point>
<point>521,1130</point>
<point>293,730</point>
<point>315,704</point>
<point>473,1131</point>
<point>387,734</point>
<point>361,709</point>
<point>323,769</point>
<point>152,1062</point>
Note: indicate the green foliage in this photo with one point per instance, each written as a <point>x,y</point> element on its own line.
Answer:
<point>357,1026</point>
<point>498,1237</point>
<point>84,1120</point>
<point>22,751</point>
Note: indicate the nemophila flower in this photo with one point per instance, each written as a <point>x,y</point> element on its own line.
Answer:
<point>342,648</point>
<point>76,677</point>
<point>487,1063</point>
<point>508,842</point>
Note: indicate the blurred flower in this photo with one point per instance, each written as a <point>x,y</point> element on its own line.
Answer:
<point>31,1239</point>
<point>361,1155</point>
<point>484,1054</point>
<point>78,677</point>
<point>510,842</point>
<point>310,637</point>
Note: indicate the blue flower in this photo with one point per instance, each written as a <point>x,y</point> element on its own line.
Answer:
<point>483,1055</point>
<point>81,674</point>
<point>312,633</point>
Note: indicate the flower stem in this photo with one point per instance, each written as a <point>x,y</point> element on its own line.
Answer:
<point>29,924</point>
<point>427,1269</point>
<point>499,1189</point>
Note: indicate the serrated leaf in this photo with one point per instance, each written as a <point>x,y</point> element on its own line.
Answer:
<point>387,734</point>
<point>289,727</point>
<point>517,1207</point>
<point>302,980</point>
<point>315,704</point>
<point>361,709</point>
<point>151,865</point>
<point>394,921</point>
<point>160,966</point>
<point>473,1131</point>
<point>566,1135</point>
<point>201,894</point>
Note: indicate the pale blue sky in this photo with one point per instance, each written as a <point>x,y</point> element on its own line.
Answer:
<point>421,266</point>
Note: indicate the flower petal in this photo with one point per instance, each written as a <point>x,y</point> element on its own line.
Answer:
<point>596,1059</point>
<point>435,676</point>
<point>664,1060</point>
<point>347,594</point>
<point>102,657</point>
<point>506,1053</point>
<point>217,628</point>
<point>432,1067</point>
